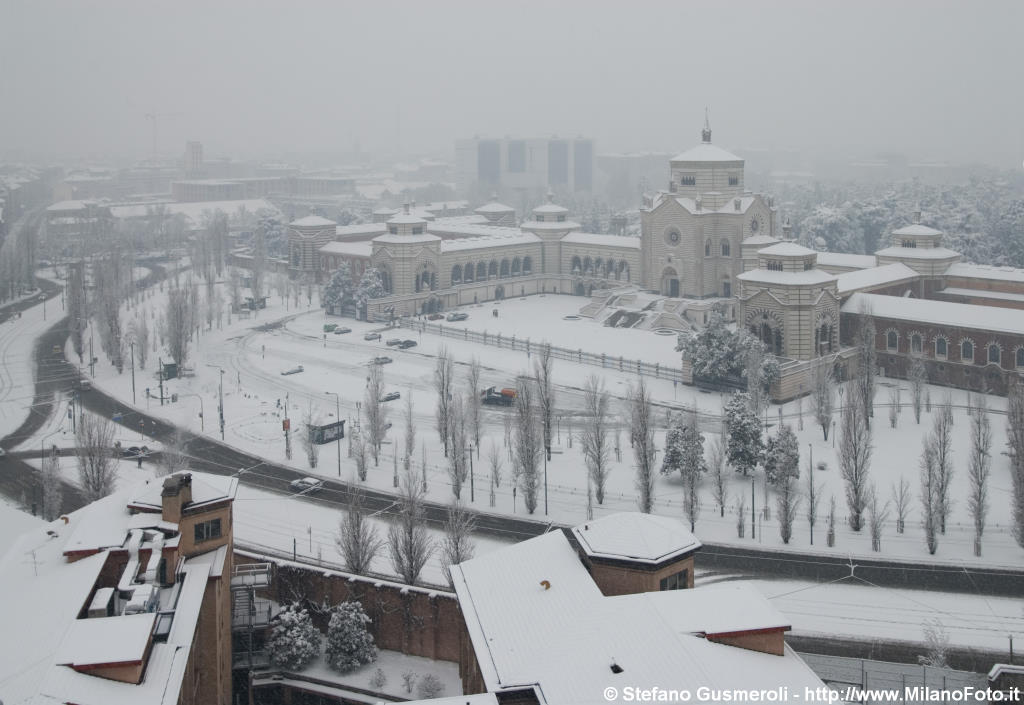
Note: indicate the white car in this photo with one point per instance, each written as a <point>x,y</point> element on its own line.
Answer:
<point>306,484</point>
<point>294,371</point>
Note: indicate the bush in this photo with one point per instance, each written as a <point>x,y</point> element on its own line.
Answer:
<point>294,641</point>
<point>378,680</point>
<point>349,644</point>
<point>430,687</point>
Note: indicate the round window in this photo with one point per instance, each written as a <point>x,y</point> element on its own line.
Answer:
<point>672,237</point>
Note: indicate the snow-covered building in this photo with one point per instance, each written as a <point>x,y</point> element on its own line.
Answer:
<point>125,601</point>
<point>610,605</point>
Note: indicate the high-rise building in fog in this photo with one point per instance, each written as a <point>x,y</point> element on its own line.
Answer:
<point>525,164</point>
<point>193,158</point>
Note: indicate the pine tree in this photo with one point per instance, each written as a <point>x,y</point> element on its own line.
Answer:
<point>340,290</point>
<point>782,457</point>
<point>294,641</point>
<point>370,287</point>
<point>745,448</point>
<point>349,644</point>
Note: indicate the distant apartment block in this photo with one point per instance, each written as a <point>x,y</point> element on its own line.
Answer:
<point>525,164</point>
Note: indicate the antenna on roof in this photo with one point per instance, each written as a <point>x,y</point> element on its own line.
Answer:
<point>705,134</point>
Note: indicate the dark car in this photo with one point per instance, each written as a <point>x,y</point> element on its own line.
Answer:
<point>382,360</point>
<point>458,316</point>
<point>391,396</point>
<point>134,452</point>
<point>406,344</point>
<point>306,485</point>
<point>435,317</point>
<point>391,342</point>
<point>343,329</point>
<point>371,336</point>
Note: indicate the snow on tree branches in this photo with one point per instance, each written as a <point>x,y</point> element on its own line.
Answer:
<point>294,641</point>
<point>349,644</point>
<point>745,448</point>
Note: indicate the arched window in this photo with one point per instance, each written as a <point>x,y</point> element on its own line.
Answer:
<point>527,265</point>
<point>623,270</point>
<point>967,351</point>
<point>995,355</point>
<point>726,248</point>
<point>915,343</point>
<point>588,266</point>
<point>941,348</point>
<point>492,270</point>
<point>504,268</point>
<point>481,271</point>
<point>892,340</point>
<point>1020,357</point>
<point>577,265</point>
<point>457,274</point>
<point>517,266</point>
<point>707,248</point>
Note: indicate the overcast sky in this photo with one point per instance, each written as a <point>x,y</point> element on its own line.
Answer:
<point>933,80</point>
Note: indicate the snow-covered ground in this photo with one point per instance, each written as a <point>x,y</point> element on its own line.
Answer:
<point>13,523</point>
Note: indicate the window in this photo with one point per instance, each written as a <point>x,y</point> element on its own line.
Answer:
<point>774,265</point>
<point>207,530</point>
<point>687,180</point>
<point>915,343</point>
<point>417,230</point>
<point>726,289</point>
<point>808,265</point>
<point>892,340</point>
<point>909,243</point>
<point>1020,357</point>
<point>994,354</point>
<point>734,181</point>
<point>967,351</point>
<point>676,581</point>
<point>561,219</point>
<point>393,229</point>
<point>941,347</point>
<point>707,248</point>
<point>726,249</point>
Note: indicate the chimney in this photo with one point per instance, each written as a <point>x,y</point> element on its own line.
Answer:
<point>176,494</point>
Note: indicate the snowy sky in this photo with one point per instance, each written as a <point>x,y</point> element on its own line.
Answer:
<point>933,80</point>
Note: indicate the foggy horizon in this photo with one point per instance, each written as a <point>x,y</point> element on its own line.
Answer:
<point>932,81</point>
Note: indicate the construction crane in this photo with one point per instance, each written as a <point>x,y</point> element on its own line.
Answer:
<point>154,116</point>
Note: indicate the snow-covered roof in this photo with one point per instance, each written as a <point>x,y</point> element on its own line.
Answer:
<point>849,282</point>
<point>981,294</point>
<point>206,489</point>
<point>706,152</point>
<point>984,271</point>
<point>406,219</point>
<point>941,313</point>
<point>917,252</point>
<point>106,640</point>
<point>916,229</point>
<point>474,243</point>
<point>628,241</point>
<point>447,221</point>
<point>362,248</point>
<point>79,205</point>
<point>728,209</point>
<point>759,240</point>
<point>361,229</point>
<point>786,249</point>
<point>550,208</point>
<point>384,210</point>
<point>475,230</point>
<point>406,239</point>
<point>573,634</point>
<point>840,259</point>
<point>634,536</point>
<point>550,225</point>
<point>771,277</point>
<point>312,221</point>
<point>193,211</point>
<point>494,207</point>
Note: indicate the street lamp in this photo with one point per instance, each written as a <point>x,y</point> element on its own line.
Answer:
<point>337,418</point>
<point>472,492</point>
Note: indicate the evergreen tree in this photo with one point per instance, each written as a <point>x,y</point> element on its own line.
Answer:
<point>349,644</point>
<point>745,448</point>
<point>294,642</point>
<point>782,456</point>
<point>370,287</point>
<point>339,291</point>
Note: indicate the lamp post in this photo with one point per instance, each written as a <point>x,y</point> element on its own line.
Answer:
<point>337,417</point>
<point>472,491</point>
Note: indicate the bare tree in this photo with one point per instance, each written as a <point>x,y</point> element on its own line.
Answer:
<point>716,470</point>
<point>901,502</point>
<point>1015,440</point>
<point>357,539</point>
<point>506,423</point>
<point>545,392</point>
<point>473,401</point>
<point>174,457</point>
<point>409,542</point>
<point>178,324</point>
<point>830,537</point>
<point>876,518</point>
<point>410,430</point>
<point>458,445</point>
<point>823,396</point>
<point>528,446</point>
<point>494,459</point>
<point>457,544</point>
<point>864,340</point>
<point>259,259</point>
<point>52,488</point>
<point>443,381</point>
<point>360,453</point>
<point>311,448</point>
<point>893,407</point>
<point>930,494</point>
<point>141,341</point>
<point>741,514</point>
<point>936,641</point>
<point>594,435</point>
<point>978,469</point>
<point>855,449</point>
<point>813,499</point>
<point>787,503</point>
<point>94,444</point>
<point>918,376</point>
<point>641,432</point>
<point>375,411</point>
<point>942,430</point>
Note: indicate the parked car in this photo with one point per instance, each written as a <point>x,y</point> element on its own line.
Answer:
<point>382,360</point>
<point>435,317</point>
<point>393,341</point>
<point>306,484</point>
<point>294,370</point>
<point>391,396</point>
<point>371,336</point>
<point>457,316</point>
<point>134,452</point>
<point>328,327</point>
<point>406,344</point>
<point>342,329</point>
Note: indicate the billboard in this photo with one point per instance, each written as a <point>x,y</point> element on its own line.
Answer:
<point>327,433</point>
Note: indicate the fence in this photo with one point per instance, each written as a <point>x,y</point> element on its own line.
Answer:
<point>908,682</point>
<point>645,369</point>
